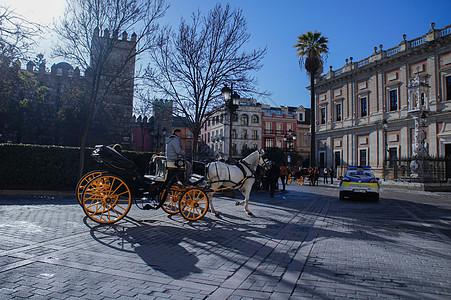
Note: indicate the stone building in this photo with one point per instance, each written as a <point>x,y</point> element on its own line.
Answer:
<point>246,129</point>
<point>362,109</point>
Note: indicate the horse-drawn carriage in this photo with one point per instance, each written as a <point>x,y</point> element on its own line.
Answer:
<point>106,195</point>
<point>302,175</point>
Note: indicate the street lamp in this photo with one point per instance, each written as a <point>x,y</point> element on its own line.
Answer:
<point>229,97</point>
<point>289,139</point>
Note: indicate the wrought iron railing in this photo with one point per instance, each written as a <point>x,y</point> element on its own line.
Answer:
<point>430,169</point>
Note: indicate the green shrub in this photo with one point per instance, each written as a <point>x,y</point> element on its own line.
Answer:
<point>50,167</point>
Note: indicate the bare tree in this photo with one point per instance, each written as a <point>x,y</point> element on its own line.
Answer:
<point>16,35</point>
<point>78,31</point>
<point>192,65</point>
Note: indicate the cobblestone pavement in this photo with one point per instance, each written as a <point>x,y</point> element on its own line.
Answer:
<point>304,243</point>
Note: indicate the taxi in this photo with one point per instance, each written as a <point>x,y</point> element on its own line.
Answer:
<point>359,181</point>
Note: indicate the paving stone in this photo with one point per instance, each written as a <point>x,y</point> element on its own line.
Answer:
<point>309,245</point>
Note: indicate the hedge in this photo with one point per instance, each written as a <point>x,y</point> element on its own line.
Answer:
<point>31,167</point>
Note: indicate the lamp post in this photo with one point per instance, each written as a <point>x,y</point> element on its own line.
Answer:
<point>289,138</point>
<point>164,138</point>
<point>229,97</point>
<point>385,127</point>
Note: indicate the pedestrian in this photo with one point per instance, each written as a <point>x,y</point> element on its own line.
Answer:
<point>331,173</point>
<point>272,176</point>
<point>283,176</point>
<point>325,174</point>
<point>316,175</point>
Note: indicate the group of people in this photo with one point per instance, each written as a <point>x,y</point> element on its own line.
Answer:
<point>269,179</point>
<point>328,173</point>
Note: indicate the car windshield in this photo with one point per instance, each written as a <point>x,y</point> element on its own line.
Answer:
<point>360,174</point>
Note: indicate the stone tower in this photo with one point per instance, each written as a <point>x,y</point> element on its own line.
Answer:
<point>118,56</point>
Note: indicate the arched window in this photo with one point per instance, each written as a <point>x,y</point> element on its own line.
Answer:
<point>244,120</point>
<point>254,119</point>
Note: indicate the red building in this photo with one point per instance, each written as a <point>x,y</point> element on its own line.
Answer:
<point>279,127</point>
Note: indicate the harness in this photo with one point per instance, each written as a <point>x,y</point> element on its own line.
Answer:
<point>237,185</point>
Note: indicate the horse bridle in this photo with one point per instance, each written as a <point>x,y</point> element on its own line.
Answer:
<point>265,160</point>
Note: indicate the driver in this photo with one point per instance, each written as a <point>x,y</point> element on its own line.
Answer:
<point>174,150</point>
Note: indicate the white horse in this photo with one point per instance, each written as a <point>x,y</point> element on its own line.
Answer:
<point>240,177</point>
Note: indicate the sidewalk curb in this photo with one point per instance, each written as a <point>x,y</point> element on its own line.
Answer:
<point>36,193</point>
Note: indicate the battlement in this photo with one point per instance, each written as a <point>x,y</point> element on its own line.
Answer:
<point>115,35</point>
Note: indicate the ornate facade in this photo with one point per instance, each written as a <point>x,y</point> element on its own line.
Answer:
<point>364,114</point>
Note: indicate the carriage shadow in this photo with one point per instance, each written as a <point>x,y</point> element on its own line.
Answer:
<point>152,243</point>
<point>182,251</point>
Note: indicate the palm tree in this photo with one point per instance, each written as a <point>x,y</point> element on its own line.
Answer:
<point>312,50</point>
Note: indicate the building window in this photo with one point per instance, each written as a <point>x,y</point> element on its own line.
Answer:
<point>244,134</point>
<point>338,112</point>
<point>363,107</point>
<point>323,115</point>
<point>363,157</point>
<point>448,88</point>
<point>322,159</point>
<point>268,128</point>
<point>392,155</point>
<point>254,119</point>
<point>301,117</point>
<point>255,135</point>
<point>393,100</point>
<point>269,143</point>
<point>244,120</point>
<point>337,158</point>
<point>234,134</point>
<point>279,128</point>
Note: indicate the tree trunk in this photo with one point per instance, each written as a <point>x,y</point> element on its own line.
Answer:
<point>312,121</point>
<point>81,163</point>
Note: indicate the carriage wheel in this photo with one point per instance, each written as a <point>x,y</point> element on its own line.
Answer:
<point>300,180</point>
<point>193,204</point>
<point>290,179</point>
<point>84,180</point>
<point>171,204</point>
<point>106,199</point>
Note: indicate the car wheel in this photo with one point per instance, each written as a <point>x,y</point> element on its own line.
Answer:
<point>342,195</point>
<point>376,198</point>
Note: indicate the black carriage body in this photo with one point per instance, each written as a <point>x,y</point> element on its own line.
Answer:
<point>115,163</point>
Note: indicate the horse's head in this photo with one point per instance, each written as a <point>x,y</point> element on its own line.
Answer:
<point>263,161</point>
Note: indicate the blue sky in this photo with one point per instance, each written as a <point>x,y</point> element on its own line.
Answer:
<point>354,28</point>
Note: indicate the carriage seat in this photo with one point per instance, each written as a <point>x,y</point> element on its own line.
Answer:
<point>160,173</point>
<point>196,179</point>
